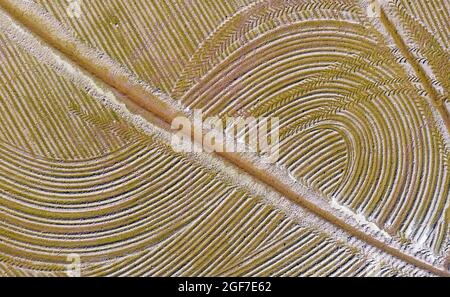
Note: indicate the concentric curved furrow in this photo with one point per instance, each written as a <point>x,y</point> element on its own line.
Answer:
<point>357,127</point>
<point>126,204</point>
<point>251,23</point>
<point>28,120</point>
<point>140,34</point>
<point>425,26</point>
<point>333,151</point>
<point>357,131</point>
<point>353,125</point>
<point>285,250</point>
